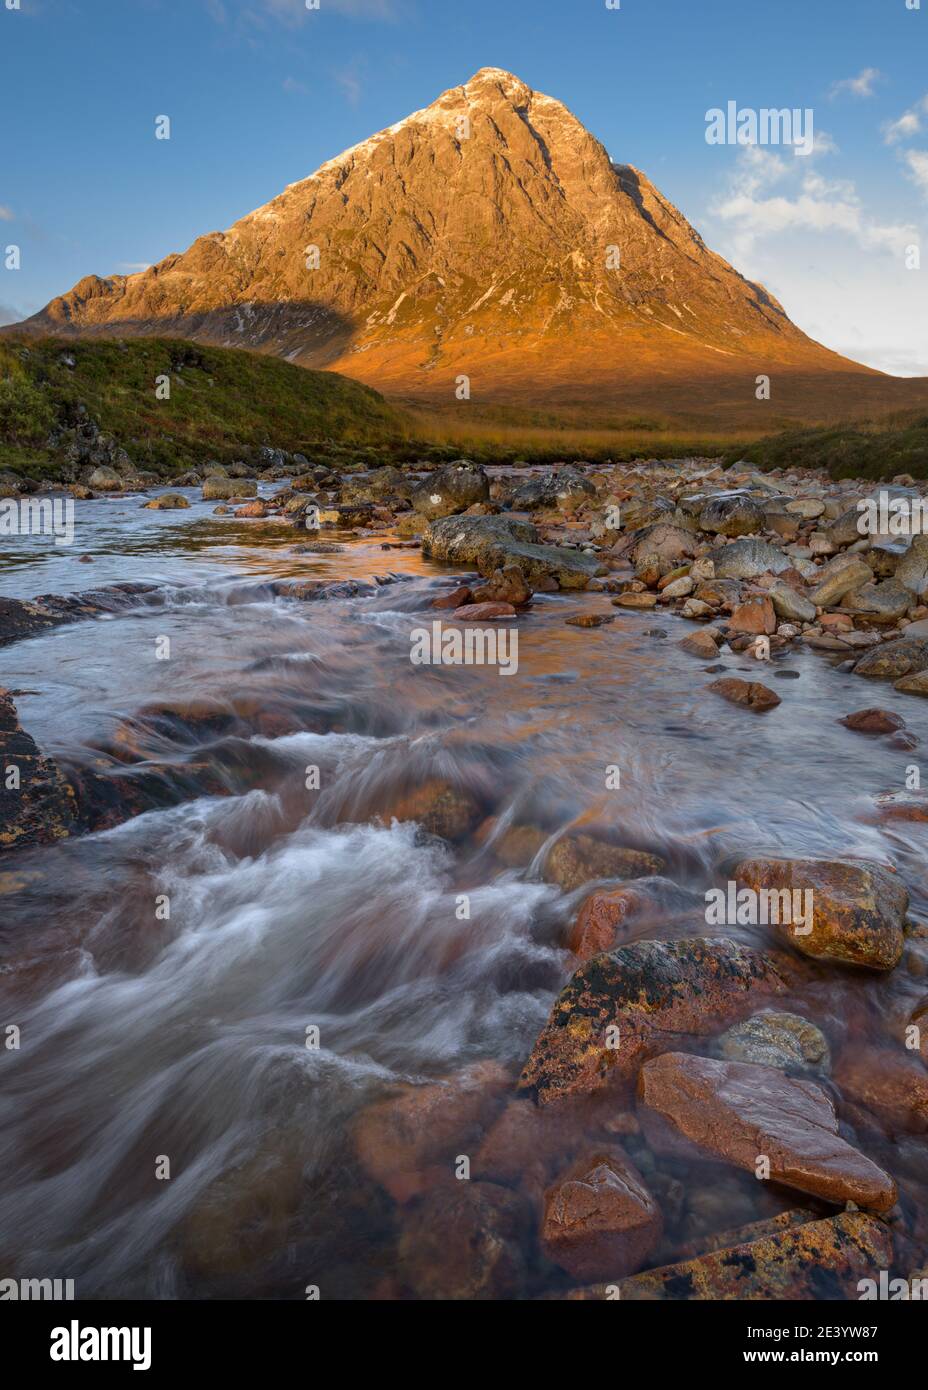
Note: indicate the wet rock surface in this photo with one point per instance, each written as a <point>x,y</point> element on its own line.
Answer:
<point>761,1120</point>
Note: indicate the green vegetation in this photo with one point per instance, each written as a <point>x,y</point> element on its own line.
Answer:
<point>869,450</point>
<point>223,403</point>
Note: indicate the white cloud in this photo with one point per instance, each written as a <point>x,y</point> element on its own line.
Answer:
<point>290,84</point>
<point>908,124</point>
<point>6,214</point>
<point>863,85</point>
<point>812,204</point>
<point>350,82</point>
<point>133,267</point>
<point>917,161</point>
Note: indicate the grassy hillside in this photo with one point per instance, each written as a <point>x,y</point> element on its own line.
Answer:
<point>222,403</point>
<point>877,451</point>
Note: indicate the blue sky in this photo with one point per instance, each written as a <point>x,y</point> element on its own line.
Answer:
<point>260,92</point>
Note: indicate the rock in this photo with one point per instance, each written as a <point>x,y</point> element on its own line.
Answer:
<point>507,585</point>
<point>738,1113</point>
<point>42,808</point>
<point>526,1147</point>
<point>516,847</point>
<point>572,489</point>
<point>457,598</point>
<point>894,659</point>
<point>631,599</point>
<point>534,494</point>
<point>839,577</point>
<point>665,543</point>
<point>747,559</point>
<point>19,620</point>
<point>600,1220</point>
<point>790,604</point>
<point>578,859</point>
<point>820,1259</point>
<point>493,542</point>
<point>256,509</point>
<point>873,721</point>
<point>696,610</point>
<point>806,507</point>
<point>224,489</point>
<point>704,643</point>
<point>167,501</point>
<point>890,1084</point>
<point>847,528</point>
<point>451,489</point>
<point>858,910</point>
<point>483,612</point>
<point>380,485</point>
<point>599,924</point>
<point>751,694</point>
<point>465,1243</point>
<point>589,620</point>
<point>757,615</point>
<point>440,807</point>
<point>885,602</point>
<point>913,685</point>
<point>912,569</point>
<point>732,514</point>
<point>105,479</point>
<point>775,1039</point>
<point>679,588</point>
<point>410,1140</point>
<point>655,994</point>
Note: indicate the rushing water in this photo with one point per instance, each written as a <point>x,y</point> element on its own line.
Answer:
<point>293,908</point>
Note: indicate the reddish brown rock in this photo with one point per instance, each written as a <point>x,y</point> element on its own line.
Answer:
<point>457,598</point>
<point>589,620</point>
<point>750,694</point>
<point>515,847</point>
<point>578,859</point>
<point>410,1141</point>
<point>858,910</point>
<point>652,994</point>
<point>756,616</point>
<point>600,1221</point>
<point>484,612</point>
<point>599,924</point>
<point>255,509</point>
<point>873,721</point>
<point>465,1243</point>
<point>891,1084</point>
<point>526,1147</point>
<point>441,808</point>
<point>704,643</point>
<point>819,1260</point>
<point>740,1113</point>
<point>506,585</point>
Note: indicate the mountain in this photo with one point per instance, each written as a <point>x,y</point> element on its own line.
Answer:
<point>489,235</point>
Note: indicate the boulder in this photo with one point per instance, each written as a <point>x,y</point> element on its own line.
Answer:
<point>791,605</point>
<point>627,1005</point>
<point>105,479</point>
<point>42,807</point>
<point>891,1084</point>
<point>750,694</point>
<point>216,489</point>
<point>837,578</point>
<point>600,1221</point>
<point>167,502</point>
<point>811,1261</point>
<point>465,1243</point>
<point>912,569</point>
<point>732,514</point>
<point>904,657</point>
<point>740,1113</point>
<point>490,543</point>
<point>747,559</point>
<point>756,616</point>
<point>410,1140</point>
<point>873,721</point>
<point>858,909</point>
<point>775,1039</point>
<point>450,490</point>
<point>883,602</point>
<point>578,859</point>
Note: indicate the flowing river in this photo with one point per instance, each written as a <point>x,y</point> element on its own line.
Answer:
<point>169,1127</point>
